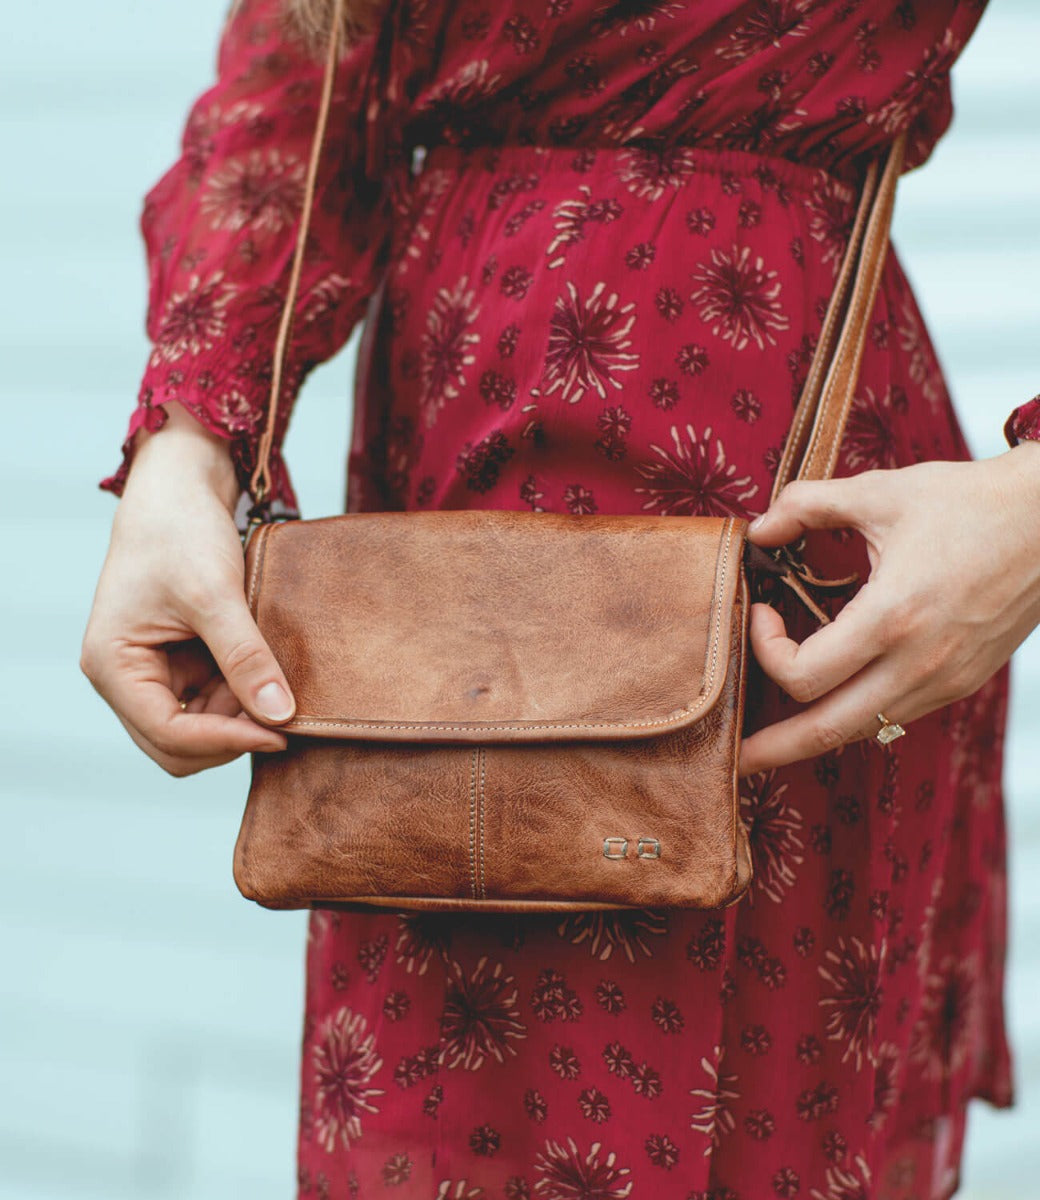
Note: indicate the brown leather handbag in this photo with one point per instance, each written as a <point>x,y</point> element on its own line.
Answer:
<point>514,711</point>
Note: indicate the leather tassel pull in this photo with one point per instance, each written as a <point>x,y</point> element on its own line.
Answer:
<point>783,563</point>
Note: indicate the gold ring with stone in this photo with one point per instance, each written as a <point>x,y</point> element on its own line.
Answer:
<point>184,704</point>
<point>889,731</point>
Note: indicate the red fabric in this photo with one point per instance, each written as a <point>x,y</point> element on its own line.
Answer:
<point>1024,423</point>
<point>599,292</point>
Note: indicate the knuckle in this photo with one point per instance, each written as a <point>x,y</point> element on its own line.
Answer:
<point>889,632</point>
<point>825,736</point>
<point>203,593</point>
<point>89,661</point>
<point>901,620</point>
<point>947,669</point>
<point>815,497</point>
<point>803,687</point>
<point>245,657</point>
<point>794,494</point>
<point>956,684</point>
<point>828,510</point>
<point>176,767</point>
<point>165,742</point>
<point>938,659</point>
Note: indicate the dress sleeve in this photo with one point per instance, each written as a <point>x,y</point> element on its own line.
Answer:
<point>219,230</point>
<point>1024,423</point>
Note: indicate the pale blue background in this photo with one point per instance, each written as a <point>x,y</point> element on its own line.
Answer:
<point>149,1017</point>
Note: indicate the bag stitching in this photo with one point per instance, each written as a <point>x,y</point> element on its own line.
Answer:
<point>483,816</point>
<point>876,261</point>
<point>473,825</point>
<point>720,587</point>
<point>257,561</point>
<point>816,370</point>
<point>737,727</point>
<point>876,274</point>
<point>817,367</point>
<point>836,368</point>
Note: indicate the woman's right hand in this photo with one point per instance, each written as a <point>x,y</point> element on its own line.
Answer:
<point>170,620</point>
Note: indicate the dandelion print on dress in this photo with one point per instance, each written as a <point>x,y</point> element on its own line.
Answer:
<point>630,933</point>
<point>261,191</point>
<point>446,347</point>
<point>588,344</point>
<point>872,431</point>
<point>193,320</point>
<point>694,478</point>
<point>480,1018</point>
<point>775,831</point>
<point>592,244</point>
<point>568,1174</point>
<point>345,1060</point>
<point>944,1033</point>
<point>649,174</point>
<point>853,975</point>
<point>739,298</point>
<point>714,1118</point>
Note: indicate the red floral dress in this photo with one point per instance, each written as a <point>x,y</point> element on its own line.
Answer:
<point>595,242</point>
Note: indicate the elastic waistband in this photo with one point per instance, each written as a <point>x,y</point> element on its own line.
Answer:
<point>627,160</point>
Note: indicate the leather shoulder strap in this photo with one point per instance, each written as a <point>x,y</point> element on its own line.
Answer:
<point>260,483</point>
<point>823,408</point>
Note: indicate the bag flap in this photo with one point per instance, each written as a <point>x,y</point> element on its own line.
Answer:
<point>497,626</point>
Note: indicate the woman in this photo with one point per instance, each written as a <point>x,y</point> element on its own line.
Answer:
<point>596,241</point>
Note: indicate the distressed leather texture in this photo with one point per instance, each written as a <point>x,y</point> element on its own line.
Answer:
<point>483,723</point>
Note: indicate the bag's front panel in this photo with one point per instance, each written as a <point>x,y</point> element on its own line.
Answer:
<point>582,824</point>
<point>469,737</point>
<point>341,819</point>
<point>637,824</point>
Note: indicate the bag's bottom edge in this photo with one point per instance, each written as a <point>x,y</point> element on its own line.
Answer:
<point>461,904</point>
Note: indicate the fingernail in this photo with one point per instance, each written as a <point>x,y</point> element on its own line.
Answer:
<point>269,748</point>
<point>273,702</point>
<point>757,523</point>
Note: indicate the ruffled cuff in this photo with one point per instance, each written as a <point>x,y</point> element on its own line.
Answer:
<point>1024,423</point>
<point>232,408</point>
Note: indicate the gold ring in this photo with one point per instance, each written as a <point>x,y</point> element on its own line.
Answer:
<point>183,704</point>
<point>889,731</point>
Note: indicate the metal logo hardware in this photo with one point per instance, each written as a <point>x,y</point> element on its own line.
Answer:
<point>617,848</point>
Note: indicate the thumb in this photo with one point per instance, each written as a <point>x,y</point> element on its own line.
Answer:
<point>810,504</point>
<point>246,662</point>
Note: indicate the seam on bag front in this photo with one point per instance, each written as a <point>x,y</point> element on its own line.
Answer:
<point>687,711</point>
<point>720,587</point>
<point>482,818</point>
<point>738,724</point>
<point>473,824</point>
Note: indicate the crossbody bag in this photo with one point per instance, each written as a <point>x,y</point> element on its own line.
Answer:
<point>466,737</point>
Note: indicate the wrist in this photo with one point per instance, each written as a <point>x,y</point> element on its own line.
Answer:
<point>184,448</point>
<point>1025,455</point>
<point>1020,478</point>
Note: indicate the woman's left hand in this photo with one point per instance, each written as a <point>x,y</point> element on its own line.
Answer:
<point>954,588</point>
